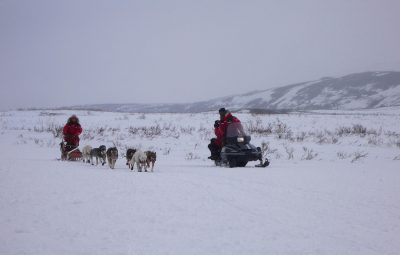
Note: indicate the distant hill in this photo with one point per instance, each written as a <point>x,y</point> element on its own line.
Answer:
<point>357,91</point>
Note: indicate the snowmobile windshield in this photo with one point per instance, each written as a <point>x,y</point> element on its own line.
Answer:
<point>235,130</point>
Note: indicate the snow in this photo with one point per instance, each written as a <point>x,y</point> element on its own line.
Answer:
<point>353,103</point>
<point>392,110</point>
<point>242,100</point>
<point>389,96</point>
<point>381,73</point>
<point>326,205</point>
<point>286,101</point>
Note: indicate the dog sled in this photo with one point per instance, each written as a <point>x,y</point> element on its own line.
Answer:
<point>237,150</point>
<point>70,152</point>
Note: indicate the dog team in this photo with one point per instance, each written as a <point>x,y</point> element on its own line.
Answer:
<point>71,132</point>
<point>144,160</point>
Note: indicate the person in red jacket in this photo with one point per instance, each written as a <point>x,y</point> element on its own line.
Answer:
<point>71,131</point>
<point>220,128</point>
<point>226,119</point>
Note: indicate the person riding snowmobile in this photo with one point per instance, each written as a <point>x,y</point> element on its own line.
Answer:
<point>226,119</point>
<point>220,127</point>
<point>71,132</point>
<point>236,149</point>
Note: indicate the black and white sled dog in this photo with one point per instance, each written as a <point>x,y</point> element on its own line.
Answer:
<point>86,153</point>
<point>99,154</point>
<point>140,159</point>
<point>151,159</point>
<point>129,155</point>
<point>112,156</point>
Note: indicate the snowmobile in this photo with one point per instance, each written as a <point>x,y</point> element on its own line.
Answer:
<point>237,150</point>
<point>70,152</point>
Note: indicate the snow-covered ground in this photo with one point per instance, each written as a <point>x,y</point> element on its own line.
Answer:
<point>332,188</point>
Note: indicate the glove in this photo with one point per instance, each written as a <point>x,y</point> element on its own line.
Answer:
<point>216,124</point>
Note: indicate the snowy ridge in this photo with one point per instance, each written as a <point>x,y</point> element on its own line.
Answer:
<point>368,90</point>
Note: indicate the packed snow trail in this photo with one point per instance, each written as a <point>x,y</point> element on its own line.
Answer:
<point>190,207</point>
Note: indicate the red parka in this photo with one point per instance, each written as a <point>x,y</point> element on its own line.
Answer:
<point>228,118</point>
<point>220,136</point>
<point>71,133</point>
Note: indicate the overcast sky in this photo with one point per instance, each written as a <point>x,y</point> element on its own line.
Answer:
<point>55,53</point>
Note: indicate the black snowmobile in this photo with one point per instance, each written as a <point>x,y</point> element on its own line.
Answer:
<point>238,150</point>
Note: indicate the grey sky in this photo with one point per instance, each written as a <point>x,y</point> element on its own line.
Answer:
<point>55,53</point>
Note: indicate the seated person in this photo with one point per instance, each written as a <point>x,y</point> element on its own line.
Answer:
<point>226,119</point>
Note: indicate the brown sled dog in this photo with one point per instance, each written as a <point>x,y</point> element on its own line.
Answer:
<point>151,158</point>
<point>129,155</point>
<point>112,156</point>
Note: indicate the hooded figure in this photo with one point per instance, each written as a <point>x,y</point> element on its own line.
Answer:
<point>226,118</point>
<point>220,127</point>
<point>72,130</point>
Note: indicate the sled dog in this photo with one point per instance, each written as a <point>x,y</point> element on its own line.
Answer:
<point>129,155</point>
<point>151,158</point>
<point>99,154</point>
<point>112,156</point>
<point>86,153</point>
<point>139,158</point>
